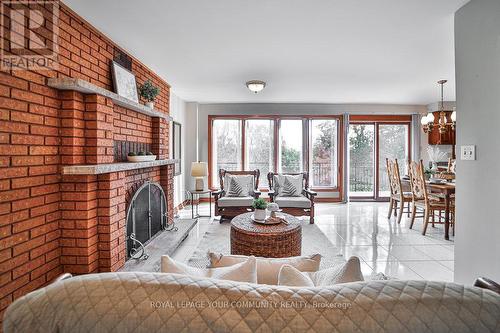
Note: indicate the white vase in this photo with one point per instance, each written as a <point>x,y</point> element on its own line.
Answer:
<point>434,166</point>
<point>150,105</point>
<point>259,214</point>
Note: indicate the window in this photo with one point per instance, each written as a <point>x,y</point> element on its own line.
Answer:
<point>259,147</point>
<point>393,144</point>
<point>362,160</point>
<point>323,152</point>
<point>290,155</point>
<point>226,146</point>
<point>277,144</point>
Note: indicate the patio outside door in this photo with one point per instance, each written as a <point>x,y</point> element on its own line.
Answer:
<point>370,143</point>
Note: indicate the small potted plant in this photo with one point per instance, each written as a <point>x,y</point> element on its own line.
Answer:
<point>429,173</point>
<point>140,156</point>
<point>259,205</point>
<point>149,91</point>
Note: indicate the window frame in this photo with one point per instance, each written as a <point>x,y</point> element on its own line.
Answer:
<point>305,145</point>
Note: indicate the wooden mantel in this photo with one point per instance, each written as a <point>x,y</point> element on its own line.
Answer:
<point>97,169</point>
<point>85,87</point>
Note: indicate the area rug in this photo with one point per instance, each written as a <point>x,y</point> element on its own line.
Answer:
<point>217,239</point>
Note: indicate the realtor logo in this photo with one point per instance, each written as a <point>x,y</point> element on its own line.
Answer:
<point>30,32</point>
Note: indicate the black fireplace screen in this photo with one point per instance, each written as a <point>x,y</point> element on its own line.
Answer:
<point>146,216</point>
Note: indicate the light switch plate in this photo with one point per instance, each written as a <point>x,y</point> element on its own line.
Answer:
<point>468,153</point>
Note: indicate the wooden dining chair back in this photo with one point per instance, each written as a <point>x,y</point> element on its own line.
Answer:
<point>394,180</point>
<point>417,181</point>
<point>398,195</point>
<point>430,204</point>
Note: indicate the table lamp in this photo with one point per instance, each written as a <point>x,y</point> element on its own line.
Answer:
<point>198,171</point>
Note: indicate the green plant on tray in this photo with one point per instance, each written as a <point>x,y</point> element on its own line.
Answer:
<point>259,203</point>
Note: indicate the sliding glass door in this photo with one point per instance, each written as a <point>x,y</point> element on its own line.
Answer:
<point>362,160</point>
<point>370,144</point>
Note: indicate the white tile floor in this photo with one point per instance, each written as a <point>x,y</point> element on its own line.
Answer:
<point>362,229</point>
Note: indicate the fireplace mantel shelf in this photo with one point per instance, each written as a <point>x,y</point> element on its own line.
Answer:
<point>88,88</point>
<point>97,169</point>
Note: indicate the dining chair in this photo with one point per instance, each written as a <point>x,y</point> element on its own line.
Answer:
<point>398,195</point>
<point>451,165</point>
<point>422,199</point>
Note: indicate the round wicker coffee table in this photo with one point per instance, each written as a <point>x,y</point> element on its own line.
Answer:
<point>272,241</point>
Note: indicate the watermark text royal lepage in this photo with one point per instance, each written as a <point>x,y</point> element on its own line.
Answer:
<point>261,304</point>
<point>30,33</point>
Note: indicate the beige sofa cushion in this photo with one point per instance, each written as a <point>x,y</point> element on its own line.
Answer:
<point>244,271</point>
<point>293,202</point>
<point>268,268</point>
<point>235,202</point>
<point>348,272</point>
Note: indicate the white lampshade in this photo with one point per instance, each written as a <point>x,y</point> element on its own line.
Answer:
<point>430,117</point>
<point>454,115</point>
<point>423,120</point>
<point>199,169</point>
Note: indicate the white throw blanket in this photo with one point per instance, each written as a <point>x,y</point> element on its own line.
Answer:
<point>156,302</point>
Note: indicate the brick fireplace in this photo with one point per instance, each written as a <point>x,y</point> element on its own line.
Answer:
<point>95,188</point>
<point>63,190</point>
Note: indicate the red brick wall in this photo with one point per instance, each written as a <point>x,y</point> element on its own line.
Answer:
<point>49,224</point>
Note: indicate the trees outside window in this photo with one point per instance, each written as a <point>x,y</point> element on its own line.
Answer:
<point>259,147</point>
<point>324,152</point>
<point>276,144</point>
<point>226,146</point>
<point>291,142</point>
<point>361,159</point>
<point>393,144</point>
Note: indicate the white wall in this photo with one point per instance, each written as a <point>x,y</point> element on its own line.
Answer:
<point>204,110</point>
<point>477,42</point>
<point>178,113</point>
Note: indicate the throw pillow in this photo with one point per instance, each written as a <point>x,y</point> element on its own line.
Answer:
<point>348,272</point>
<point>268,268</point>
<point>290,185</point>
<point>245,271</point>
<point>238,185</point>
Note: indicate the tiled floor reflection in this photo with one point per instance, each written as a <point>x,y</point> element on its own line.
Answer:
<point>362,229</point>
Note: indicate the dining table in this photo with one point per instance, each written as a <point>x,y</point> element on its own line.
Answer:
<point>447,189</point>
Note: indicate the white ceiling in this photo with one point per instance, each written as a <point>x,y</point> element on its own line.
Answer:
<point>319,51</point>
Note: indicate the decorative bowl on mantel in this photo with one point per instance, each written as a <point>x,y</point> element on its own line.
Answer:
<point>141,158</point>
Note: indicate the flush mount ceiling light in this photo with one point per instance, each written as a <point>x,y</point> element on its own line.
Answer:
<point>255,85</point>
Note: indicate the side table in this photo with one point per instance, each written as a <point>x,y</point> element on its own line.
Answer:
<point>192,194</point>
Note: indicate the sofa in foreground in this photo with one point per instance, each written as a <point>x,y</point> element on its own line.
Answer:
<point>163,302</point>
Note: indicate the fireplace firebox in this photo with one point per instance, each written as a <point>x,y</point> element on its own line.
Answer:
<point>146,217</point>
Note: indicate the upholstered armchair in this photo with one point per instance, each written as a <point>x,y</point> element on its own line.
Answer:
<point>237,191</point>
<point>299,203</point>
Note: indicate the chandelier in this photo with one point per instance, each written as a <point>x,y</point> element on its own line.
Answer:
<point>428,121</point>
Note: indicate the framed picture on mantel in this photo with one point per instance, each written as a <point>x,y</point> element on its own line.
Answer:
<point>124,82</point>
